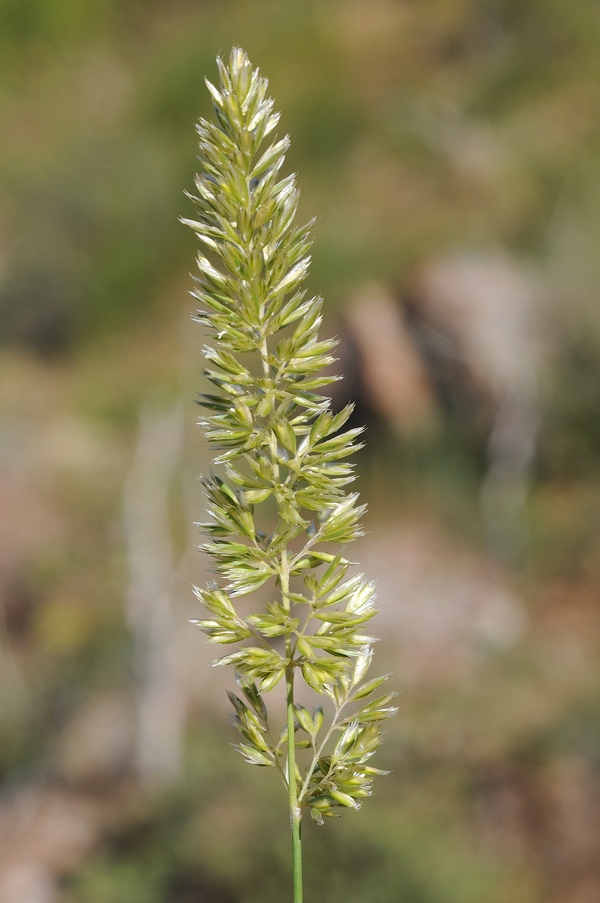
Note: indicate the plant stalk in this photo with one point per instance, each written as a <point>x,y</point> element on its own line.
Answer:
<point>295,811</point>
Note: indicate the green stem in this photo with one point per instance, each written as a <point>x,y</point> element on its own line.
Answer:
<point>295,810</point>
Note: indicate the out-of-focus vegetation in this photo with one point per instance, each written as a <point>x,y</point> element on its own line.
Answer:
<point>425,132</point>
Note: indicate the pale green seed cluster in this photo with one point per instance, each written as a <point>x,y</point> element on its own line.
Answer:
<point>282,455</point>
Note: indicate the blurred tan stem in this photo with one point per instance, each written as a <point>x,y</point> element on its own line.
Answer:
<point>151,561</point>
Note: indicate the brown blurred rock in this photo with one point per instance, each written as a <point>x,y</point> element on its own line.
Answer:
<point>396,382</point>
<point>441,608</point>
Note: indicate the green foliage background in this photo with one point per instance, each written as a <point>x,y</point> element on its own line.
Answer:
<point>418,127</point>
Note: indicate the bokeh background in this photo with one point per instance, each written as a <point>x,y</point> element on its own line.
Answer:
<point>450,150</point>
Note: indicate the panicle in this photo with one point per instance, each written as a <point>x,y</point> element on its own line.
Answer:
<point>282,456</point>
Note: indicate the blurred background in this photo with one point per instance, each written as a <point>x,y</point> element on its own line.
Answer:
<point>450,150</point>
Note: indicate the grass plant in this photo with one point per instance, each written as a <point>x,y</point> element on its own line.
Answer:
<point>280,451</point>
